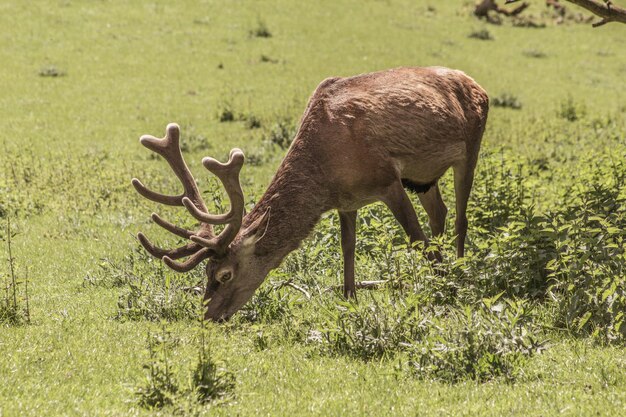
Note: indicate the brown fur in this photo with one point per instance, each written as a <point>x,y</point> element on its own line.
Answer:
<point>359,140</point>
<point>360,134</point>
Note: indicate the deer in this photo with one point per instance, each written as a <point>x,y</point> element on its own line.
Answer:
<point>361,139</point>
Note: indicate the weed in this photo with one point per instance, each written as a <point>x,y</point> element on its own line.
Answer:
<point>261,30</point>
<point>500,192</point>
<point>477,344</point>
<point>210,382</point>
<point>267,59</point>
<point>373,328</point>
<point>160,387</point>
<point>451,344</point>
<point>151,291</point>
<point>534,53</point>
<point>571,111</point>
<point>194,142</point>
<point>252,122</point>
<point>15,308</point>
<point>269,304</point>
<point>51,71</point>
<point>226,114</point>
<point>588,275</point>
<point>482,34</point>
<point>281,133</point>
<point>506,100</point>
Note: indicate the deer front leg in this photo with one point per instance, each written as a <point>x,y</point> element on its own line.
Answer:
<point>347,219</point>
<point>400,205</point>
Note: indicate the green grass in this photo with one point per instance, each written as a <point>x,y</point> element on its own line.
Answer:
<point>69,149</point>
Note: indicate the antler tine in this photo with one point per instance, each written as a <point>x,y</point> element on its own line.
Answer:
<point>228,174</point>
<point>190,263</point>
<point>169,148</point>
<point>157,252</point>
<point>172,228</point>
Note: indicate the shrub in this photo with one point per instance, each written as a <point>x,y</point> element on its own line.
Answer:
<point>499,193</point>
<point>490,341</point>
<point>373,328</point>
<point>588,279</point>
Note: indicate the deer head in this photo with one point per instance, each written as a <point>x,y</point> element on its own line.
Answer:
<point>233,270</point>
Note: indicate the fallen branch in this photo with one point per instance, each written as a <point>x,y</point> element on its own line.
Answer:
<point>604,9</point>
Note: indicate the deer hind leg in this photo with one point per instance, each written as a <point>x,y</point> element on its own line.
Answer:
<point>400,205</point>
<point>435,208</point>
<point>463,179</point>
<point>347,219</point>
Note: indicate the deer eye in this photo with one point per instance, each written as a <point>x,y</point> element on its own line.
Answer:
<point>224,276</point>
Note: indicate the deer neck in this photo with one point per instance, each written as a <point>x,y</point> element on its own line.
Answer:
<point>296,198</point>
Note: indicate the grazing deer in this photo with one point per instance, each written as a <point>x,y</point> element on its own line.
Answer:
<point>361,139</point>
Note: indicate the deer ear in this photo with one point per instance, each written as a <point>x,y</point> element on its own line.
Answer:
<point>256,231</point>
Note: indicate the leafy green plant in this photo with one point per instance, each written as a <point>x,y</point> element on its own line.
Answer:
<point>479,344</point>
<point>268,59</point>
<point>269,304</point>
<point>499,193</point>
<point>194,141</point>
<point>210,381</point>
<point>588,275</point>
<point>373,328</point>
<point>160,387</point>
<point>488,340</point>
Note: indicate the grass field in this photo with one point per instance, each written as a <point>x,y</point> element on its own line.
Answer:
<point>530,323</point>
